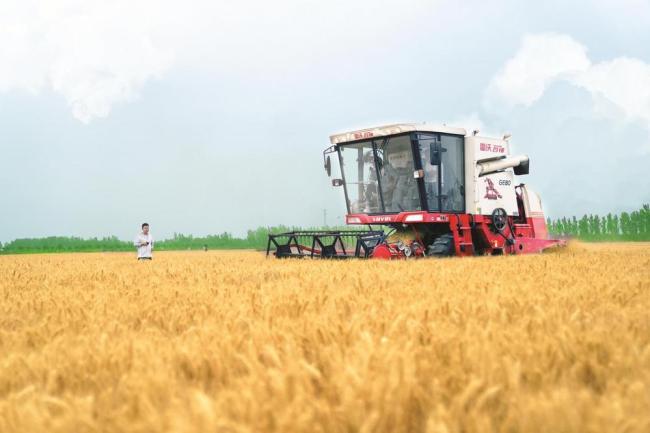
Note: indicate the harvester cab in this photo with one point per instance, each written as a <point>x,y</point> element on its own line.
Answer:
<point>427,191</point>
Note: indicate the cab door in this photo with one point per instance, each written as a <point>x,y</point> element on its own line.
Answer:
<point>442,161</point>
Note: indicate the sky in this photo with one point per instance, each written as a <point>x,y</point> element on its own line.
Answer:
<point>201,117</point>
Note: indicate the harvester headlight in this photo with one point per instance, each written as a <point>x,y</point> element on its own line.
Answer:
<point>354,220</point>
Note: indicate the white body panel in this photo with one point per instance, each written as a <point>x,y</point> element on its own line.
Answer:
<point>485,193</point>
<point>532,203</point>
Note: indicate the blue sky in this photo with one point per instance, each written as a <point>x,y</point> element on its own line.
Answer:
<point>207,116</point>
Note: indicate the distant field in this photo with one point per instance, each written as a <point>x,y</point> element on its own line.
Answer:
<point>233,342</point>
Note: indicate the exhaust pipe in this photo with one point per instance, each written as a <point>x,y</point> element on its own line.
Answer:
<point>520,164</point>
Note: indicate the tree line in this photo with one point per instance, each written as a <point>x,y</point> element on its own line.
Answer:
<point>632,226</point>
<point>254,239</point>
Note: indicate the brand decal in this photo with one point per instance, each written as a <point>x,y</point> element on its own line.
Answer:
<point>495,148</point>
<point>491,192</point>
<point>504,182</point>
<point>378,219</point>
<point>363,134</point>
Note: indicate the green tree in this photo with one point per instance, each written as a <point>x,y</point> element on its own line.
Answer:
<point>595,226</point>
<point>645,221</point>
<point>551,226</point>
<point>626,224</point>
<point>583,226</point>
<point>635,223</point>
<point>609,225</point>
<point>573,226</point>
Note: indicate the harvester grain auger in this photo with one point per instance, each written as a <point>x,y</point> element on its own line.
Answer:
<point>439,191</point>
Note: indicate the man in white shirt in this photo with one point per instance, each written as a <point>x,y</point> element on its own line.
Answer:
<point>144,243</point>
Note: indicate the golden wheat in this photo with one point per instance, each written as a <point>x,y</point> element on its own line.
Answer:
<point>233,342</point>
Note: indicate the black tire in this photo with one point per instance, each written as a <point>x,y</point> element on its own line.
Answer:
<point>499,219</point>
<point>443,246</point>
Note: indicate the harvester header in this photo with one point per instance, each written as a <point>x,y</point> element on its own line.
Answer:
<point>438,190</point>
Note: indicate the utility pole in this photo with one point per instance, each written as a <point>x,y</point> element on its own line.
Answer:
<point>324,217</point>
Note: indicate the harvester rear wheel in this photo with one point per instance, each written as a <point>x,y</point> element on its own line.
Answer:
<point>443,246</point>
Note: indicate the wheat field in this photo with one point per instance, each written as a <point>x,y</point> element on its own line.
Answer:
<point>234,342</point>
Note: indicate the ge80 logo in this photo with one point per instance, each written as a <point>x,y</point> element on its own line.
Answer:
<point>504,182</point>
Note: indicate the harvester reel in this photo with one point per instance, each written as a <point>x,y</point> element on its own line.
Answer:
<point>499,219</point>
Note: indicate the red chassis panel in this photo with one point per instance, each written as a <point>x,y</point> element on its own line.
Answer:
<point>473,234</point>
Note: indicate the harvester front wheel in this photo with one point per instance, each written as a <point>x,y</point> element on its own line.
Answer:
<point>443,246</point>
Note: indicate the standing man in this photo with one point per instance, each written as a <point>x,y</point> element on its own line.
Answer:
<point>144,243</point>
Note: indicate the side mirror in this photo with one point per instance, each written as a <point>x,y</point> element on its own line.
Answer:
<point>328,166</point>
<point>434,153</point>
<point>337,182</point>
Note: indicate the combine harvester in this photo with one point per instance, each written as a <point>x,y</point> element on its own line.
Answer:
<point>441,192</point>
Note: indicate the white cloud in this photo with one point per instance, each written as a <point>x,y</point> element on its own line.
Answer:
<point>98,53</point>
<point>95,54</point>
<point>541,60</point>
<point>623,83</point>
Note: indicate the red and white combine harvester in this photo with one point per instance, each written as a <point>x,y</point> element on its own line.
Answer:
<point>440,191</point>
